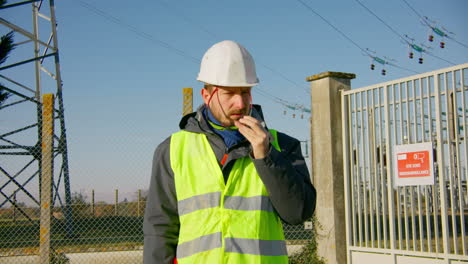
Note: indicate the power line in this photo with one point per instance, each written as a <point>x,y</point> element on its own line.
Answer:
<point>347,37</point>
<point>283,102</point>
<point>166,45</point>
<point>216,36</point>
<point>135,30</point>
<point>424,20</point>
<point>331,25</point>
<point>414,10</point>
<point>189,21</point>
<point>381,20</point>
<point>398,34</point>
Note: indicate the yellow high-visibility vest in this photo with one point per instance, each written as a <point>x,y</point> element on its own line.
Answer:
<point>220,222</point>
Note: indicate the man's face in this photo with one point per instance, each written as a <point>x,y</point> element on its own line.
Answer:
<point>228,103</point>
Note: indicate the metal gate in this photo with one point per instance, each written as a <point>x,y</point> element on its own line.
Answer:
<point>407,224</point>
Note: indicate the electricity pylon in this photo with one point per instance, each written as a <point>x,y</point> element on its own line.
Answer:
<point>32,70</point>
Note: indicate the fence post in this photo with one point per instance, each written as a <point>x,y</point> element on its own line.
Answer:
<point>46,176</point>
<point>187,106</point>
<point>139,201</point>
<point>116,206</point>
<point>14,208</point>
<point>327,162</point>
<point>92,203</point>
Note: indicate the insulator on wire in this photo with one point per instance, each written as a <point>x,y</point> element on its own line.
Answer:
<point>431,38</point>
<point>442,45</point>
<point>384,72</point>
<point>411,55</point>
<point>420,60</point>
<point>372,66</point>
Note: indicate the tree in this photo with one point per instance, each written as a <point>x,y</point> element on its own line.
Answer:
<point>6,46</point>
<point>80,207</point>
<point>78,198</point>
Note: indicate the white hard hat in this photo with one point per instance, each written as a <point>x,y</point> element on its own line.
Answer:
<point>227,63</point>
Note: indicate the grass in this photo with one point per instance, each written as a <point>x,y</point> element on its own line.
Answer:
<point>96,231</point>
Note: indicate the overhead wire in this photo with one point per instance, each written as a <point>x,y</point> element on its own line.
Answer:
<point>347,37</point>
<point>398,34</point>
<point>424,20</point>
<point>166,45</point>
<point>331,25</point>
<point>283,102</point>
<point>135,30</point>
<point>216,36</point>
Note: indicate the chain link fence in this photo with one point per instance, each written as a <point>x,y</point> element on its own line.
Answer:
<point>103,233</point>
<point>44,219</point>
<point>81,229</point>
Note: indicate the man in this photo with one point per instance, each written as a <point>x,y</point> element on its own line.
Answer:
<point>220,186</point>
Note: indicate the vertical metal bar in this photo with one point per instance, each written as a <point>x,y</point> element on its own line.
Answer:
<point>411,139</point>
<point>63,137</point>
<point>405,192</point>
<point>423,94</point>
<point>354,174</point>
<point>434,139</point>
<point>441,168</point>
<point>371,161</point>
<point>37,63</point>
<point>389,161</point>
<point>46,177</point>
<point>457,169</point>
<point>416,84</point>
<point>377,191</point>
<point>346,164</point>
<point>452,126</point>
<point>421,132</point>
<point>396,141</point>
<point>358,167</point>
<point>364,174</point>
<point>383,138</point>
<point>426,139</point>
<point>450,153</point>
<point>464,108</point>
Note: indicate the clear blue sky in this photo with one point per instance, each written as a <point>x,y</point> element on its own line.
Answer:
<point>124,64</point>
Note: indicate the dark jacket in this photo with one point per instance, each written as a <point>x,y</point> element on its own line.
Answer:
<point>284,174</point>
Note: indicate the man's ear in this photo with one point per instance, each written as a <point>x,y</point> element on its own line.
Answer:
<point>205,95</point>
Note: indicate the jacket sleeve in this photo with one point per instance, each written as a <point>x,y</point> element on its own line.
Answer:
<point>161,220</point>
<point>287,181</point>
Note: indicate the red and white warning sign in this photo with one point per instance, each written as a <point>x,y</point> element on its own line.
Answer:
<point>414,164</point>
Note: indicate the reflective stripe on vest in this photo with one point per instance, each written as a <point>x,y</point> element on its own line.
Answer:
<point>232,245</point>
<point>232,222</point>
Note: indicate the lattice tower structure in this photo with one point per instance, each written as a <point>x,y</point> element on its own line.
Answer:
<point>31,70</point>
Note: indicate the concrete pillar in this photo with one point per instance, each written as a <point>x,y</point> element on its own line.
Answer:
<point>187,106</point>
<point>327,162</point>
<point>47,169</point>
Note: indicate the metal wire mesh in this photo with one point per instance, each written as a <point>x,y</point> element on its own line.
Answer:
<point>103,233</point>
